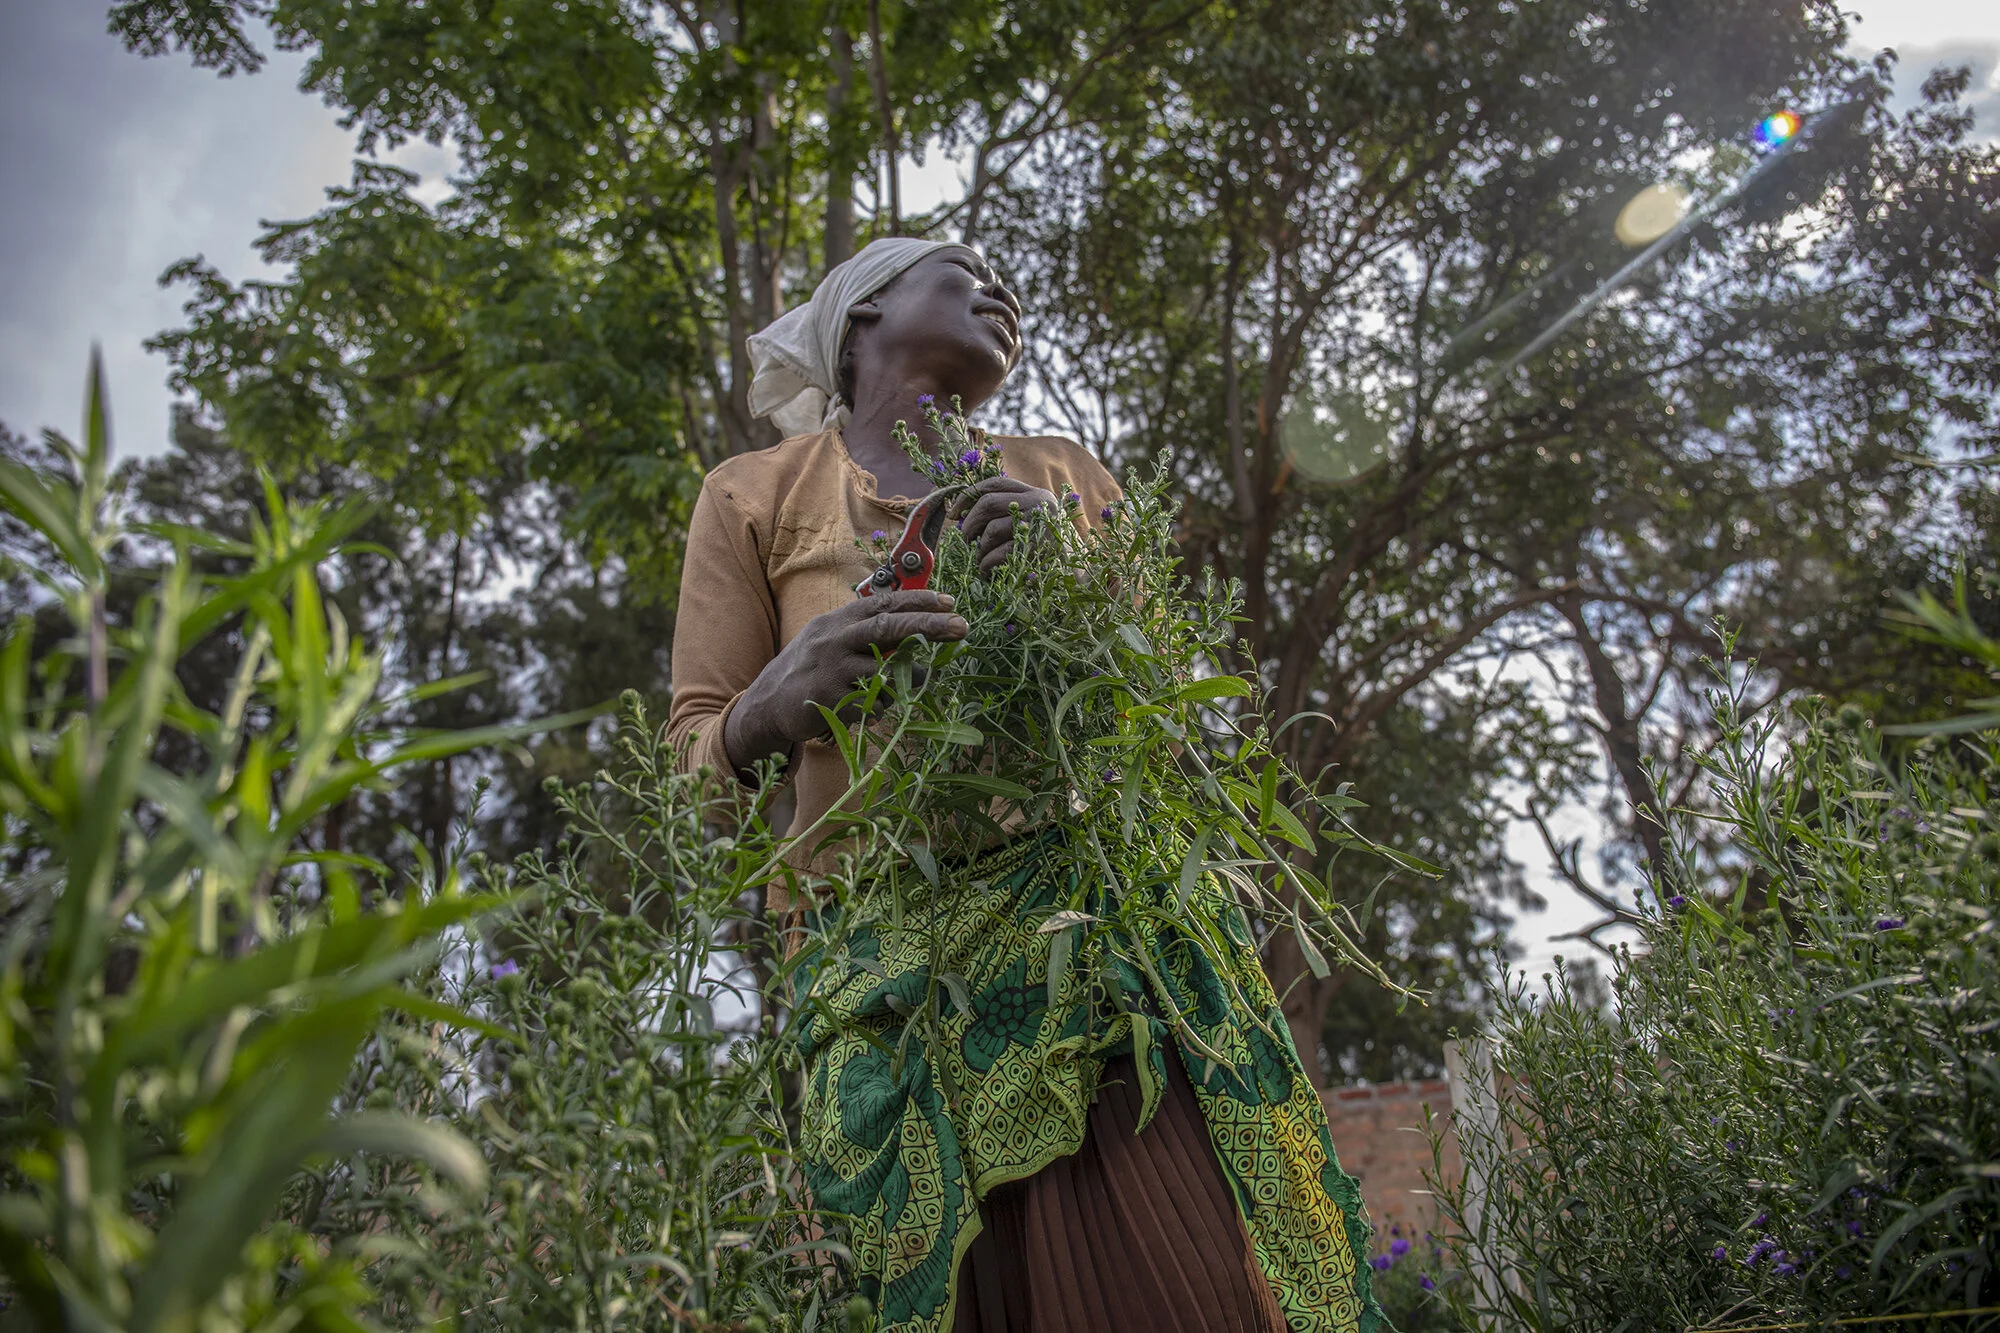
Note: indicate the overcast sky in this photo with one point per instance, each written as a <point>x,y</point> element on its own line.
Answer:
<point>112,168</point>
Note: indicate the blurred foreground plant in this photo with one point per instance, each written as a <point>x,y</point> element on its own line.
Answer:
<point>1793,1115</point>
<point>634,1135</point>
<point>184,982</point>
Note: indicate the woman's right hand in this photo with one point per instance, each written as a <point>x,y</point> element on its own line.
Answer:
<point>823,663</point>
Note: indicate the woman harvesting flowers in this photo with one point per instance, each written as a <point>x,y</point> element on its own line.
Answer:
<point>1044,1073</point>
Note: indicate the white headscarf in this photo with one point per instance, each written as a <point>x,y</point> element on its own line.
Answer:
<point>795,361</point>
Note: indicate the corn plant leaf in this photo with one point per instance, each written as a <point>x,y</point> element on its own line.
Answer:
<point>49,507</point>
<point>251,1159</point>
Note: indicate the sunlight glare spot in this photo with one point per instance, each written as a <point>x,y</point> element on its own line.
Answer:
<point>1653,212</point>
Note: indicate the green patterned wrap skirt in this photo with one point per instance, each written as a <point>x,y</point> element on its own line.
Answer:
<point>937,1068</point>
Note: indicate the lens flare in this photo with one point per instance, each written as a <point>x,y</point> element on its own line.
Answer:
<point>1651,214</point>
<point>1332,437</point>
<point>1777,129</point>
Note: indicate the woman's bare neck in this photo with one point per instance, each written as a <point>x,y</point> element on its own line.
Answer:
<point>870,436</point>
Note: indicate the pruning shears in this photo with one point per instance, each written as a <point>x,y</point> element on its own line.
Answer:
<point>914,556</point>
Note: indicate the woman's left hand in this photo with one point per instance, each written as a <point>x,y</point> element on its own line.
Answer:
<point>988,519</point>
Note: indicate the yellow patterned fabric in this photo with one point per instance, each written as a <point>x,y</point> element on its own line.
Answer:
<point>937,1067</point>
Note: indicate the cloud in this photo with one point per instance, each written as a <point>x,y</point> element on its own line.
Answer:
<point>113,167</point>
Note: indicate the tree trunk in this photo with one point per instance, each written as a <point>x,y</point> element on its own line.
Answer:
<point>878,74</point>
<point>840,167</point>
<point>1621,736</point>
<point>444,798</point>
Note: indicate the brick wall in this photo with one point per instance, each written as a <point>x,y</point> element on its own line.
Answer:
<point>1378,1131</point>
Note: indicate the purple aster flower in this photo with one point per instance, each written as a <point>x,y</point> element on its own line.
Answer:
<point>1399,1249</point>
<point>1111,775</point>
<point>506,967</point>
<point>926,399</point>
<point>1889,923</point>
<point>1784,1269</point>
<point>970,458</point>
<point>1426,1283</point>
<point>1720,1252</point>
<point>878,536</point>
<point>1072,498</point>
<point>1396,1229</point>
<point>1010,627</point>
<point>1843,1271</point>
<point>1105,513</point>
<point>1678,900</point>
<point>1854,1228</point>
<point>1760,1219</point>
<point>1381,1263</point>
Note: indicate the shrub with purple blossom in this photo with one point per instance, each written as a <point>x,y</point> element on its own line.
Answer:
<point>1410,1281</point>
<point>1788,1117</point>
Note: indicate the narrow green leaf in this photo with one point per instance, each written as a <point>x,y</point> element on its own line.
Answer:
<point>49,507</point>
<point>985,784</point>
<point>1314,959</point>
<point>1135,639</point>
<point>1077,691</point>
<point>255,1152</point>
<point>1214,687</point>
<point>926,864</point>
<point>392,1135</point>
<point>1191,867</point>
<point>950,733</point>
<point>1290,828</point>
<point>1059,961</point>
<point>961,994</point>
<point>437,1011</point>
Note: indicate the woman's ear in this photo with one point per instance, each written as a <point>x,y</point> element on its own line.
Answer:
<point>864,311</point>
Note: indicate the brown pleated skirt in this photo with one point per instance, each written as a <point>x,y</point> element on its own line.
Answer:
<point>1132,1234</point>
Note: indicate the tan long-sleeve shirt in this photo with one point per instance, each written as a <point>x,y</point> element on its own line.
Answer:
<point>770,546</point>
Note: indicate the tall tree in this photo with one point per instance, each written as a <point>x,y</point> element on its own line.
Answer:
<point>639,187</point>
<point>1308,264</point>
<point>1295,245</point>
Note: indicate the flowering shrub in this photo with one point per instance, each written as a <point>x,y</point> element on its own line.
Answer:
<point>1793,1113</point>
<point>1409,1275</point>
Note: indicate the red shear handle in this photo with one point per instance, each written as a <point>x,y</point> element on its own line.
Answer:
<point>909,566</point>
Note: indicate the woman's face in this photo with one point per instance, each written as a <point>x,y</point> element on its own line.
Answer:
<point>947,320</point>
